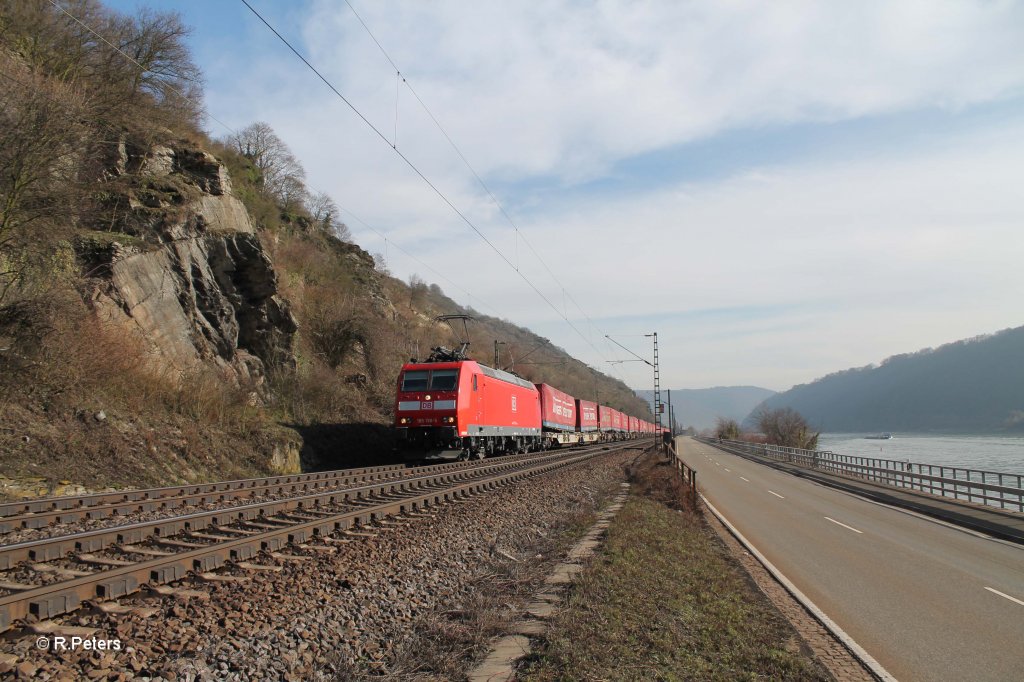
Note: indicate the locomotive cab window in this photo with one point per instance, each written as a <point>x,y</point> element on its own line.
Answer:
<point>415,380</point>
<point>444,379</point>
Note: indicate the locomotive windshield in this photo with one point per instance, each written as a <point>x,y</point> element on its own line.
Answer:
<point>434,380</point>
<point>415,380</point>
<point>444,379</point>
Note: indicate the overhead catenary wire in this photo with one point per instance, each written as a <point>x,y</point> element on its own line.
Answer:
<point>231,130</point>
<point>412,257</point>
<point>387,241</point>
<point>465,219</point>
<point>518,233</point>
<point>416,169</point>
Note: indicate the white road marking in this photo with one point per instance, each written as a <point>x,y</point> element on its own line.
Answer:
<point>717,464</point>
<point>727,469</point>
<point>829,518</point>
<point>776,494</point>
<point>874,666</point>
<point>1003,594</point>
<point>746,479</point>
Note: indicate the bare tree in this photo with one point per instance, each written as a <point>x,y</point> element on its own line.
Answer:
<point>417,291</point>
<point>159,67</point>
<point>726,429</point>
<point>41,133</point>
<point>787,427</point>
<point>380,263</point>
<point>327,216</point>
<point>280,172</point>
<point>138,70</point>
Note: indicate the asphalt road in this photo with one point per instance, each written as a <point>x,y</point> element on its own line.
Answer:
<point>926,600</point>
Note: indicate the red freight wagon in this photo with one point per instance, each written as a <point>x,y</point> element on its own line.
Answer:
<point>604,415</point>
<point>462,409</point>
<point>586,416</point>
<point>617,421</point>
<point>634,425</point>
<point>557,409</point>
<point>559,417</point>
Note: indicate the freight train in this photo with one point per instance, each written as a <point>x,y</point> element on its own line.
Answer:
<point>450,407</point>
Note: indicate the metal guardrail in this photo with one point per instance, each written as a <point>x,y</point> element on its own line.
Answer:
<point>992,488</point>
<point>686,472</point>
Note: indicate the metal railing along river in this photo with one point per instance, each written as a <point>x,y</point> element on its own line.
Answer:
<point>992,488</point>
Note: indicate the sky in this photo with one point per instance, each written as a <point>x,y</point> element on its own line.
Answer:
<point>779,190</point>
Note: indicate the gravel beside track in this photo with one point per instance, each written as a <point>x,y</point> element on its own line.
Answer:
<point>416,600</point>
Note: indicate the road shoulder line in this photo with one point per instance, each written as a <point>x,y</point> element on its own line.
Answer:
<point>855,649</point>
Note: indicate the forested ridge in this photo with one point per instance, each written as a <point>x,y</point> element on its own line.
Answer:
<point>971,386</point>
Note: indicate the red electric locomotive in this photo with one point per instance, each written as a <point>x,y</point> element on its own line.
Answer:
<point>454,408</point>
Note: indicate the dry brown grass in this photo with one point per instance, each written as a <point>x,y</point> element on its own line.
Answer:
<point>666,601</point>
<point>66,367</point>
<point>654,477</point>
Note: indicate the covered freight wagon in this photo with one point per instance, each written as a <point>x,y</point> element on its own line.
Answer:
<point>586,416</point>
<point>560,417</point>
<point>587,422</point>
<point>633,426</point>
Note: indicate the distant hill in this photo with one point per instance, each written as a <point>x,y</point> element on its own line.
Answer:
<point>970,386</point>
<point>698,407</point>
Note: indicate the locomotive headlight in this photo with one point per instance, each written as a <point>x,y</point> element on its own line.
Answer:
<point>426,397</point>
<point>403,420</point>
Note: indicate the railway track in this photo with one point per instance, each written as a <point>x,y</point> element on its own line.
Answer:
<point>52,576</point>
<point>44,512</point>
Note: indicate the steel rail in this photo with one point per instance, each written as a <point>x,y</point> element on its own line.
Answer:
<point>57,598</point>
<point>39,512</point>
<point>46,549</point>
<point>44,504</point>
<point>107,505</point>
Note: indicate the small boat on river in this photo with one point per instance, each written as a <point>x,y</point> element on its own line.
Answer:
<point>880,436</point>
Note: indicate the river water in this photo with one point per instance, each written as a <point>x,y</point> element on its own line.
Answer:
<point>990,453</point>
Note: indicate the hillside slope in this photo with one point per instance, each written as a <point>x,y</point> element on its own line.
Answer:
<point>699,407</point>
<point>970,386</point>
<point>177,308</point>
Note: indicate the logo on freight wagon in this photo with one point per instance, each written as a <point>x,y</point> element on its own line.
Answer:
<point>562,409</point>
<point>513,403</point>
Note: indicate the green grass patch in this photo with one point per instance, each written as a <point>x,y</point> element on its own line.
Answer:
<point>665,601</point>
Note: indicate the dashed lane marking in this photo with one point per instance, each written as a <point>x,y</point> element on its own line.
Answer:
<point>727,469</point>
<point>874,666</point>
<point>1003,594</point>
<point>829,518</point>
<point>776,494</point>
<point>745,479</point>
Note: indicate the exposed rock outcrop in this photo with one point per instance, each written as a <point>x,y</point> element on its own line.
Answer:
<point>185,272</point>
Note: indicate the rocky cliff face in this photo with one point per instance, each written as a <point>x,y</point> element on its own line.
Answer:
<point>184,271</point>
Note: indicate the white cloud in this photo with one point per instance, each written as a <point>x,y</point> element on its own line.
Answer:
<point>567,88</point>
<point>854,259</point>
